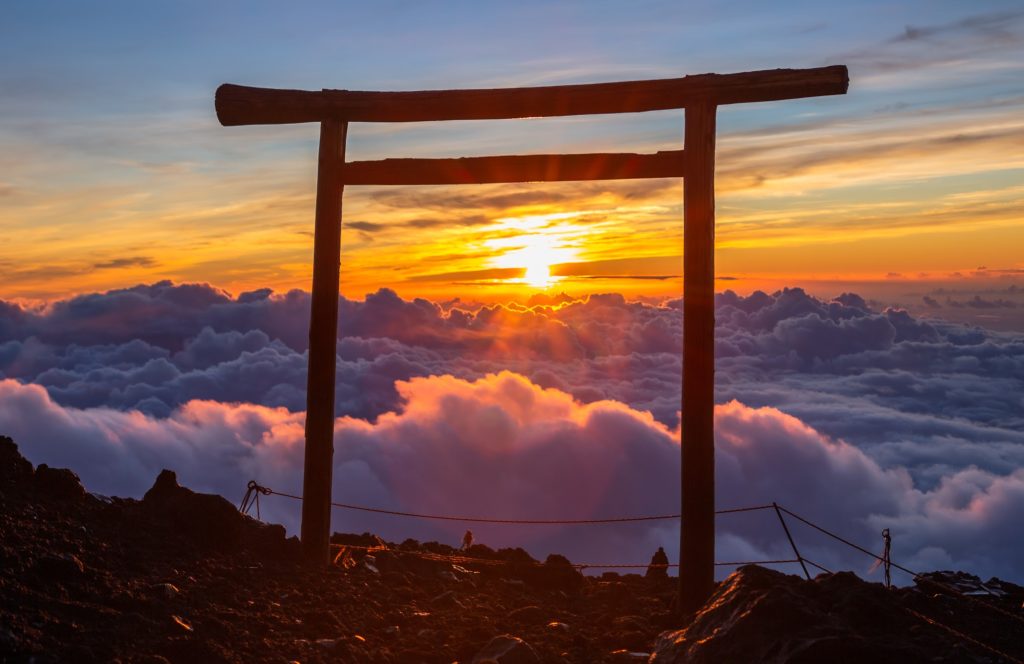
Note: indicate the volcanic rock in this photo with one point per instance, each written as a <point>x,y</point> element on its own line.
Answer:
<point>447,599</point>
<point>58,483</point>
<point>205,516</point>
<point>506,649</point>
<point>528,615</point>
<point>207,519</point>
<point>762,615</point>
<point>14,469</point>
<point>59,567</point>
<point>93,580</point>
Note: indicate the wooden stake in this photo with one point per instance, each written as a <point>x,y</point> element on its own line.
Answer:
<point>323,333</point>
<point>697,531</point>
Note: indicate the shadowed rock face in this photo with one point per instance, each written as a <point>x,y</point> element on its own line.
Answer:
<point>761,615</point>
<point>15,470</point>
<point>180,576</point>
<point>204,517</point>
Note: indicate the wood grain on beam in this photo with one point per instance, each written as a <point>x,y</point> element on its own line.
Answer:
<point>697,528</point>
<point>241,105</point>
<point>323,336</point>
<point>516,168</point>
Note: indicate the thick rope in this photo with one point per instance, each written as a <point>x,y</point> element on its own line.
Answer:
<point>254,491</point>
<point>917,577</point>
<point>534,522</point>
<point>470,560</point>
<point>814,564</point>
<point>429,555</point>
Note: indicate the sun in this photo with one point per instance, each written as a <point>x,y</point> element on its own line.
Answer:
<point>534,243</point>
<point>535,253</point>
<point>538,274</point>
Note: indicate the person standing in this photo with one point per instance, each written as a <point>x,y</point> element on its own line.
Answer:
<point>658,569</point>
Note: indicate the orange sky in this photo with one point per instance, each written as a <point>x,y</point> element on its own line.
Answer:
<point>916,174</point>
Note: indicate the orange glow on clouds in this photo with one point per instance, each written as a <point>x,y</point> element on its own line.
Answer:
<point>848,199</point>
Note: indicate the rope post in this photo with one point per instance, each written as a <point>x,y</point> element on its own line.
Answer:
<point>252,497</point>
<point>243,507</point>
<point>796,551</point>
<point>886,557</point>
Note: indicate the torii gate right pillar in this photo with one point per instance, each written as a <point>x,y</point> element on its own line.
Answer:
<point>697,536</point>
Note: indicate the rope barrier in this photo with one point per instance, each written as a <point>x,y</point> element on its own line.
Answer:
<point>472,560</point>
<point>796,551</point>
<point>814,564</point>
<point>254,491</point>
<point>919,578</point>
<point>429,555</point>
<point>844,540</point>
<point>472,519</point>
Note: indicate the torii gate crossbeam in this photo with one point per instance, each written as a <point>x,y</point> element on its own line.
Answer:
<point>698,95</point>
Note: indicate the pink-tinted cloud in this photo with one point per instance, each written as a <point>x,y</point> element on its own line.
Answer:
<point>504,446</point>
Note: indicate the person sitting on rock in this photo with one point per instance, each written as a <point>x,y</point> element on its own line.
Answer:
<point>467,540</point>
<point>658,569</point>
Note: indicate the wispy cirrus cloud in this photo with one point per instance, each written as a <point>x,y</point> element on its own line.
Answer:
<point>127,261</point>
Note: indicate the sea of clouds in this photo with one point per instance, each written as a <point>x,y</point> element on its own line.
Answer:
<point>857,419</point>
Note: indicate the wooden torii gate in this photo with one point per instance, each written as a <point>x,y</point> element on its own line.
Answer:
<point>698,95</point>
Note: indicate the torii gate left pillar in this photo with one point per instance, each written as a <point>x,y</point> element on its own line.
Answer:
<point>698,95</point>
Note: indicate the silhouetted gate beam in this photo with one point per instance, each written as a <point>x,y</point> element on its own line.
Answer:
<point>241,105</point>
<point>699,95</point>
<point>517,168</point>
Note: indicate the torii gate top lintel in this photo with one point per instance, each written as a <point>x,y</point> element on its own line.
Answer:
<point>699,95</point>
<point>241,105</point>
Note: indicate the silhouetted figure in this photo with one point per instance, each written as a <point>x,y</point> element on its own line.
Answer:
<point>467,540</point>
<point>658,569</point>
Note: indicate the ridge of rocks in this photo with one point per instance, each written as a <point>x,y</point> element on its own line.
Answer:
<point>181,576</point>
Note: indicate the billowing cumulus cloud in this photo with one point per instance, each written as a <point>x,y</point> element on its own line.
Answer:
<point>911,416</point>
<point>503,446</point>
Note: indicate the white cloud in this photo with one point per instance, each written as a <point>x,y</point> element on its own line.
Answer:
<point>503,446</point>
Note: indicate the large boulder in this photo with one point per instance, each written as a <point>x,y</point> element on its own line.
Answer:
<point>760,615</point>
<point>506,649</point>
<point>210,521</point>
<point>59,483</point>
<point>14,468</point>
<point>17,474</point>
<point>205,517</point>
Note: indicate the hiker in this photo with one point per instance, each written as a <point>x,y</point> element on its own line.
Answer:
<point>658,569</point>
<point>467,540</point>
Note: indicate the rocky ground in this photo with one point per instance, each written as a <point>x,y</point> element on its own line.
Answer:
<point>182,577</point>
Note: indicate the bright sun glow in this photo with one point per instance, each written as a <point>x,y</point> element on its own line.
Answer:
<point>537,257</point>
<point>538,276</point>
<point>540,246</point>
